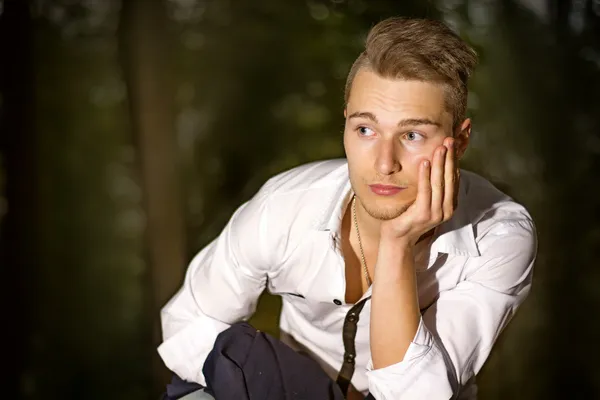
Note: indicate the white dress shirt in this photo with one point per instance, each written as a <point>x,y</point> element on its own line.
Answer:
<point>472,276</point>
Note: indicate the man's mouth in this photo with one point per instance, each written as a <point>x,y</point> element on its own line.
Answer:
<point>386,190</point>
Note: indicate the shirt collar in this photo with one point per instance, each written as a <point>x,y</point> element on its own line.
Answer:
<point>455,236</point>
<point>335,207</point>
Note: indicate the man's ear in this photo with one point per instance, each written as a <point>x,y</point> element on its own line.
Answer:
<point>462,137</point>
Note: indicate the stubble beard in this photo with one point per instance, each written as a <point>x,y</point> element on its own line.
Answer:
<point>385,214</point>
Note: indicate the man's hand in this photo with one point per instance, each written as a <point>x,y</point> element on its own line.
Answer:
<point>395,312</point>
<point>437,191</point>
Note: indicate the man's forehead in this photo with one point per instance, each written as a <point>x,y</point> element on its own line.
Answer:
<point>402,115</point>
<point>372,95</point>
<point>367,82</point>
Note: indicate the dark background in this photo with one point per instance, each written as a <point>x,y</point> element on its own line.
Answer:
<point>131,130</point>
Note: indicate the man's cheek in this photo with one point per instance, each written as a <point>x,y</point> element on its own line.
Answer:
<point>417,154</point>
<point>419,161</point>
<point>412,164</point>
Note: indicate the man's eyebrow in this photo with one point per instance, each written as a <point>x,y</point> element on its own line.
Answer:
<point>417,121</point>
<point>402,124</point>
<point>363,114</point>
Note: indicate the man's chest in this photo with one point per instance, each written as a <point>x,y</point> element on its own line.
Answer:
<point>315,277</point>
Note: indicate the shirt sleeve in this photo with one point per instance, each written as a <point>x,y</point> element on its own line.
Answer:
<point>456,333</point>
<point>221,287</point>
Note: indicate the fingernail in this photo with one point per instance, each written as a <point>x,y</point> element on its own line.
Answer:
<point>426,163</point>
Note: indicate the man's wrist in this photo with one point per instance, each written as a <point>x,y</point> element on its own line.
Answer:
<point>395,256</point>
<point>396,243</point>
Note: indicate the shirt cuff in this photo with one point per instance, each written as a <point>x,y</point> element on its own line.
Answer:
<point>404,379</point>
<point>420,345</point>
<point>185,352</point>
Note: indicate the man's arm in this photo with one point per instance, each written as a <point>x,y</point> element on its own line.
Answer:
<point>456,334</point>
<point>429,357</point>
<point>221,287</point>
<point>395,311</point>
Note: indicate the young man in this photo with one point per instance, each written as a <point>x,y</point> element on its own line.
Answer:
<point>394,277</point>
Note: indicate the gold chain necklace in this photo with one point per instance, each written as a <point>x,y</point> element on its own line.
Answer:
<point>362,253</point>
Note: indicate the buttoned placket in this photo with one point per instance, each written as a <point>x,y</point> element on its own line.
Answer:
<point>350,326</point>
<point>349,336</point>
<point>349,330</point>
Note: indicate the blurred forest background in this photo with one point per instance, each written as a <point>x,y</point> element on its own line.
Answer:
<point>131,130</point>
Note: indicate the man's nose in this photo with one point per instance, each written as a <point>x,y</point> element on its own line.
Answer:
<point>387,162</point>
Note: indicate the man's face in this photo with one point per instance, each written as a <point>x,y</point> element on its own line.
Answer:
<point>391,126</point>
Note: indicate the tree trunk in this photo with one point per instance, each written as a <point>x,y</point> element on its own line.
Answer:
<point>144,49</point>
<point>18,233</point>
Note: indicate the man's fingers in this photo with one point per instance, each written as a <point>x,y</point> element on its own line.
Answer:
<point>437,184</point>
<point>423,201</point>
<point>456,186</point>
<point>450,181</point>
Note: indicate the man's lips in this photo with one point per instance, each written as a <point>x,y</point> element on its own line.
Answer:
<point>385,190</point>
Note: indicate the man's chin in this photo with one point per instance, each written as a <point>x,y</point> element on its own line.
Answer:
<point>385,213</point>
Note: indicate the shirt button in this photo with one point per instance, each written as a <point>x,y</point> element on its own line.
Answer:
<point>337,302</point>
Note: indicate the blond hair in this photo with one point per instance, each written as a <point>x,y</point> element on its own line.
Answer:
<point>423,50</point>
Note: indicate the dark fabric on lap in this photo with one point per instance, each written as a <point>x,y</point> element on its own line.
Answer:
<point>248,364</point>
<point>179,388</point>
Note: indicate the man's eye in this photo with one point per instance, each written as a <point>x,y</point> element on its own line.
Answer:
<point>364,131</point>
<point>413,136</point>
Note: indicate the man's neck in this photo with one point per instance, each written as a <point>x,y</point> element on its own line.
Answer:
<point>370,228</point>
